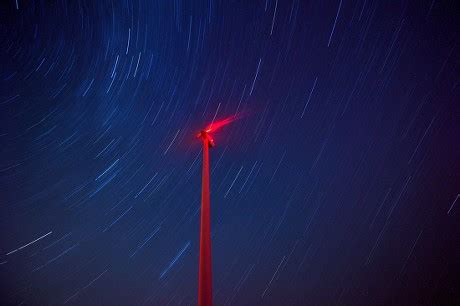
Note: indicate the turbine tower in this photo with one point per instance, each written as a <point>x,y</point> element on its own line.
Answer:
<point>205,268</point>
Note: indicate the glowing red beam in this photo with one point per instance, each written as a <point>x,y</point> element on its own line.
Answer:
<point>214,126</point>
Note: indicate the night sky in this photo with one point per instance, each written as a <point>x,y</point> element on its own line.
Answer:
<point>337,185</point>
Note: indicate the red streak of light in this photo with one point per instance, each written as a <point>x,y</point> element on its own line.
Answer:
<point>214,126</point>
<point>218,124</point>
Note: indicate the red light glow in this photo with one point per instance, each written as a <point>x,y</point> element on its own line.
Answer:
<point>218,124</point>
<point>214,126</point>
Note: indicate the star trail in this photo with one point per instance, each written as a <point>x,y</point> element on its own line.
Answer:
<point>336,182</point>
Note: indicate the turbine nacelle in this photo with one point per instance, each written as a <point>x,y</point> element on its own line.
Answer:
<point>204,135</point>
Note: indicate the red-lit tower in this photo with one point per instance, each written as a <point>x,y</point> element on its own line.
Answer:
<point>205,269</point>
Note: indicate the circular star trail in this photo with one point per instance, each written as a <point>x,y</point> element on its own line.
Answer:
<point>336,185</point>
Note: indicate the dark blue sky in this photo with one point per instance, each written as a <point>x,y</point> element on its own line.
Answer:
<point>339,186</point>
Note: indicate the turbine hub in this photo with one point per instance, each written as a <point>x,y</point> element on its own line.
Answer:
<point>204,135</point>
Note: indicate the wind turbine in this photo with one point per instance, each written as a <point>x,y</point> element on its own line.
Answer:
<point>205,265</point>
